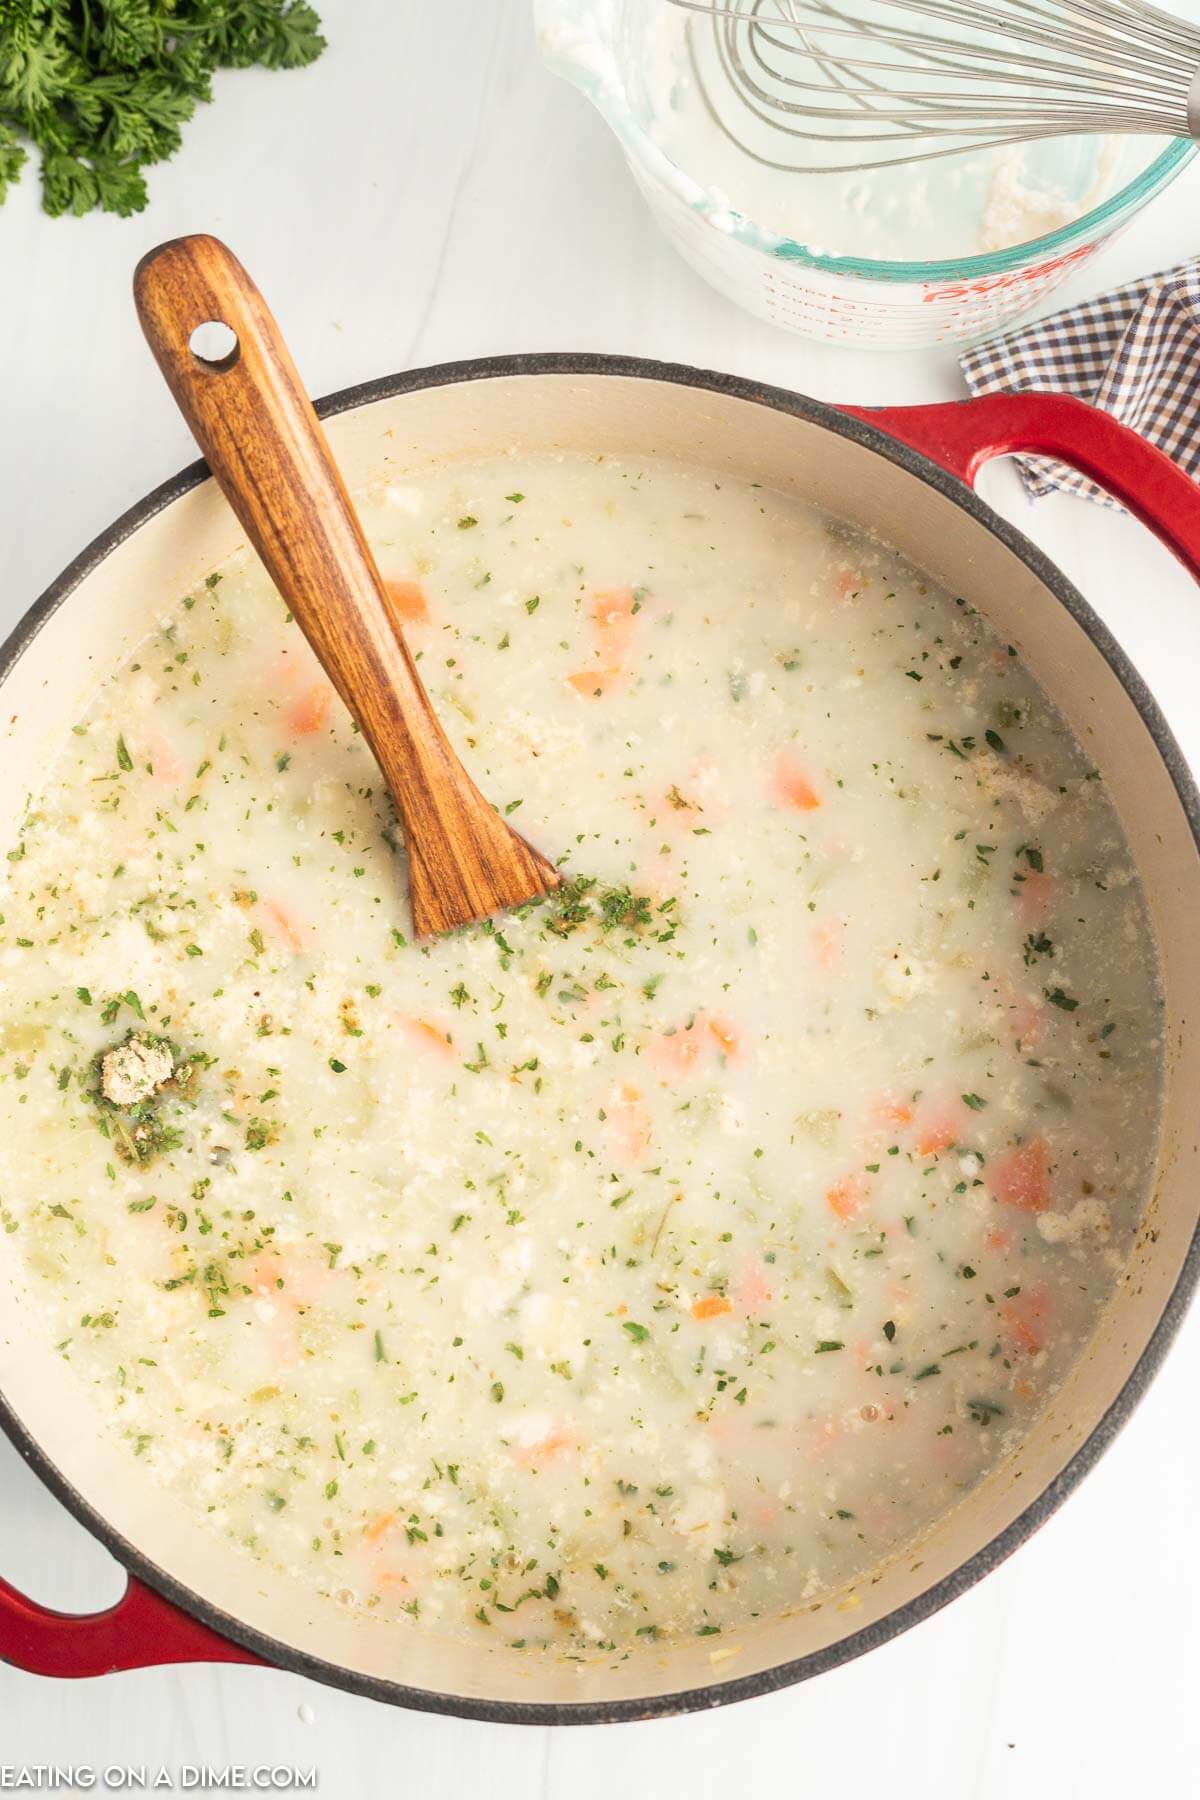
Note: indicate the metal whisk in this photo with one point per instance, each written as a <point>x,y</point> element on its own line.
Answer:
<point>884,82</point>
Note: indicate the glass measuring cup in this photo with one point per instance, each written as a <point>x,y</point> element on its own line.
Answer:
<point>601,46</point>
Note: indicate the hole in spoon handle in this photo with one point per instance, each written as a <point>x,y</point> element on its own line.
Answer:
<point>215,345</point>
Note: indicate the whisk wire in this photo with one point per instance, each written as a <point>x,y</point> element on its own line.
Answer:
<point>942,76</point>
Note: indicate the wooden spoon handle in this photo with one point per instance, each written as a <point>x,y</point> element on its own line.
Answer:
<point>253,420</point>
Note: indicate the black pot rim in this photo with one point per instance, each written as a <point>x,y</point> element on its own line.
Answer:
<point>1046,1503</point>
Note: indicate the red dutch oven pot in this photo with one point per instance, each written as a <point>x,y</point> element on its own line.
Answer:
<point>903,473</point>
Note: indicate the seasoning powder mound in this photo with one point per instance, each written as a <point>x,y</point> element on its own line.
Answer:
<point>135,1070</point>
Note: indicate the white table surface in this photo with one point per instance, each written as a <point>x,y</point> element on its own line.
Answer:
<point>427,192</point>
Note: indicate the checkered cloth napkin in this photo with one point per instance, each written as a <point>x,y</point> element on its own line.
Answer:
<point>1135,353</point>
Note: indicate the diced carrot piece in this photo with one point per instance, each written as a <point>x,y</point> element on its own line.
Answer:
<point>164,762</point>
<point>285,925</point>
<point>407,601</point>
<point>267,1274</point>
<point>593,684</point>
<point>997,1240</point>
<point>680,1051</point>
<point>613,613</point>
<point>847,1196</point>
<point>711,1306</point>
<point>547,1449</point>
<point>613,624</point>
<point>727,1037</point>
<point>1022,1177</point>
<point>847,583</point>
<point>686,1046</point>
<point>1025,1320</point>
<point>379,1527</point>
<point>940,1125</point>
<point>630,1122</point>
<point>430,1036</point>
<point>752,1289</point>
<point>1037,891</point>
<point>829,946</point>
<point>291,1278</point>
<point>791,787</point>
<point>308,711</point>
<point>893,1112</point>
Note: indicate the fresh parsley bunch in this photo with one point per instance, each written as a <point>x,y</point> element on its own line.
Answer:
<point>102,87</point>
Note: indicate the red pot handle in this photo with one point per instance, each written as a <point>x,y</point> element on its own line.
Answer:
<point>962,435</point>
<point>140,1631</point>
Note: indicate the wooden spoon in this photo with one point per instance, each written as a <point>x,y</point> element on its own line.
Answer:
<point>255,424</point>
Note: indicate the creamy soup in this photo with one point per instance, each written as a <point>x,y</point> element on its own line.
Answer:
<point>669,1253</point>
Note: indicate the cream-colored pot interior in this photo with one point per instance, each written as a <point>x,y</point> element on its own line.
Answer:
<point>111,609</point>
